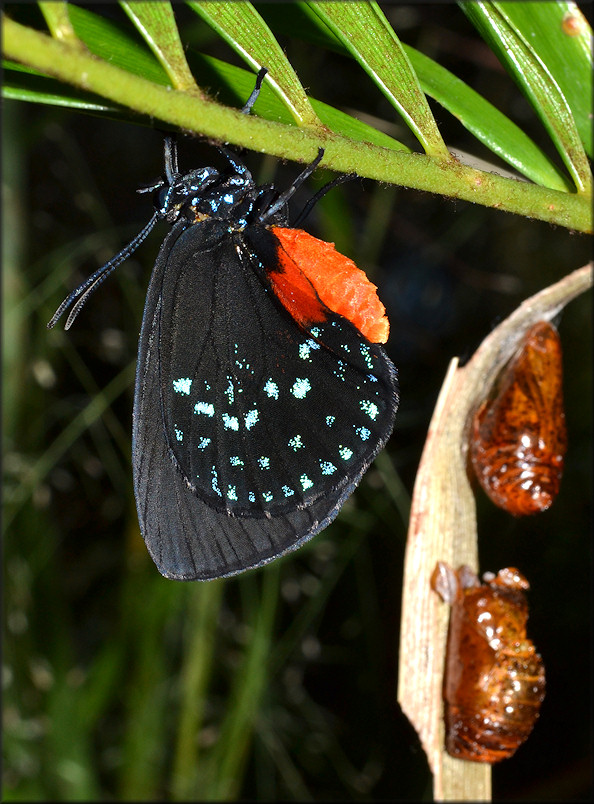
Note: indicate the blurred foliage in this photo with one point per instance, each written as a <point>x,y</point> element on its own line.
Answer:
<point>280,685</point>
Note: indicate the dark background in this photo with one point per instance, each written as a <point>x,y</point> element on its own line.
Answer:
<point>447,272</point>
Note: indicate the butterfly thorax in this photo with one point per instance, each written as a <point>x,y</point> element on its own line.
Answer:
<point>208,193</point>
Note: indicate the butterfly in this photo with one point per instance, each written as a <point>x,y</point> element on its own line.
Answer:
<point>262,390</point>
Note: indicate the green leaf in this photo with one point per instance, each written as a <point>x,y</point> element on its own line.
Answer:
<point>562,37</point>
<point>156,23</point>
<point>487,123</point>
<point>27,84</point>
<point>104,39</point>
<point>240,25</point>
<point>58,21</point>
<point>510,34</point>
<point>115,45</point>
<point>108,40</point>
<point>366,33</point>
<point>193,113</point>
<point>238,83</point>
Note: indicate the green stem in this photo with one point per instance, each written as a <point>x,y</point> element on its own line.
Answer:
<point>231,752</point>
<point>203,610</point>
<point>192,113</point>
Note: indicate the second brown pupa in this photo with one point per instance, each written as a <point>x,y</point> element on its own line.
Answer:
<point>494,679</point>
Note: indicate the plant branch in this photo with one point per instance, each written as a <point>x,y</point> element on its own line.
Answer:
<point>193,113</point>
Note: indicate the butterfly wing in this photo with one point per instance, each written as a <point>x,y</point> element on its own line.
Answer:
<point>249,431</point>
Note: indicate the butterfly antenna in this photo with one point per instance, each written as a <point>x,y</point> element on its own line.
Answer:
<point>92,282</point>
<point>322,192</point>
<point>284,197</point>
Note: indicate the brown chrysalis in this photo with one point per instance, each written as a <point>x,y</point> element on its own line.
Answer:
<point>519,437</point>
<point>494,680</point>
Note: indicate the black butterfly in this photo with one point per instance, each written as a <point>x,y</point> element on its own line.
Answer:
<point>256,411</point>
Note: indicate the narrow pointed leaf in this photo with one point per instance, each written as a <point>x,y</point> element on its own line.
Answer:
<point>156,23</point>
<point>117,46</point>
<point>58,21</point>
<point>562,37</point>
<point>496,131</point>
<point>239,83</point>
<point>516,50</point>
<point>211,119</point>
<point>245,31</point>
<point>487,123</point>
<point>27,84</point>
<point>365,32</point>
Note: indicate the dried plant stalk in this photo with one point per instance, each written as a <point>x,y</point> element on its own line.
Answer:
<point>443,528</point>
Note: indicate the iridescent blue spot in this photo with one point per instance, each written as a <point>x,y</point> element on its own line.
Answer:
<point>204,407</point>
<point>230,422</point>
<point>371,378</point>
<point>239,362</point>
<point>271,389</point>
<point>316,332</point>
<point>267,496</point>
<point>327,467</point>
<point>366,355</point>
<point>178,433</point>
<point>264,462</point>
<point>330,420</point>
<point>235,460</point>
<point>345,453</point>
<point>341,370</point>
<point>304,351</point>
<point>306,483</point>
<point>203,443</point>
<point>288,491</point>
<point>230,391</point>
<point>295,443</point>
<point>300,388</point>
<point>251,496</point>
<point>228,198</point>
<point>231,493</point>
<point>215,482</point>
<point>363,433</point>
<point>306,348</point>
<point>370,408</point>
<point>250,418</point>
<point>182,386</point>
